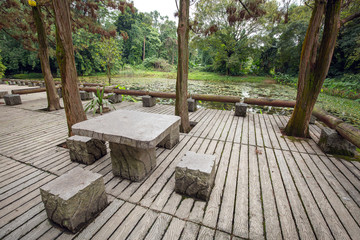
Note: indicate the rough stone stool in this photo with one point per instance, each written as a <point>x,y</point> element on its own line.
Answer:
<point>240,109</point>
<point>86,95</point>
<point>333,143</point>
<point>59,92</point>
<point>30,84</point>
<point>3,93</point>
<point>195,175</point>
<point>148,101</point>
<point>115,98</point>
<point>85,149</point>
<point>191,105</point>
<point>12,99</point>
<point>75,198</point>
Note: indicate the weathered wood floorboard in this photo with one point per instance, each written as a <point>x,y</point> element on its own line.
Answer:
<point>266,185</point>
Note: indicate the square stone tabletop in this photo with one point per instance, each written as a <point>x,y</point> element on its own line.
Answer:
<point>132,128</point>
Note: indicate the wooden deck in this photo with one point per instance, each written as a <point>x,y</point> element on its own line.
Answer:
<point>266,186</point>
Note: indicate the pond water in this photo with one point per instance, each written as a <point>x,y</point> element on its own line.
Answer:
<point>347,110</point>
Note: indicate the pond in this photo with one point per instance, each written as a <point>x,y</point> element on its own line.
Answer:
<point>346,109</point>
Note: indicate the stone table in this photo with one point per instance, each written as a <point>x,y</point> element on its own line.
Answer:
<point>133,137</point>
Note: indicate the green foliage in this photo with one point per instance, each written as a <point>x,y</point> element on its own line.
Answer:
<point>28,76</point>
<point>158,64</point>
<point>98,102</point>
<point>126,97</point>
<point>2,67</point>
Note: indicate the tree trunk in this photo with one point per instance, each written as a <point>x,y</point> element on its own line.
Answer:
<point>181,108</point>
<point>314,67</point>
<point>51,93</point>
<point>108,71</point>
<point>65,56</point>
<point>143,56</point>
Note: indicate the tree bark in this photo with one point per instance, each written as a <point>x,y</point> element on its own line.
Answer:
<point>51,93</point>
<point>65,57</point>
<point>314,67</point>
<point>143,56</point>
<point>181,108</point>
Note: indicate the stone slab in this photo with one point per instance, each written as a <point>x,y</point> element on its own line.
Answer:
<point>75,198</point>
<point>240,109</point>
<point>192,106</point>
<point>195,175</point>
<point>132,128</point>
<point>86,95</point>
<point>3,93</point>
<point>333,143</point>
<point>148,101</point>
<point>132,163</point>
<point>12,99</point>
<point>84,149</point>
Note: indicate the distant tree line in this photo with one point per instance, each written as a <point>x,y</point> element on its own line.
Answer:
<point>261,38</point>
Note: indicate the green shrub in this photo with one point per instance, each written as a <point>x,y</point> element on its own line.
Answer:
<point>157,63</point>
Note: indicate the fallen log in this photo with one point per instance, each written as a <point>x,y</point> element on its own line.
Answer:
<point>350,133</point>
<point>216,98</point>
<point>29,90</point>
<point>326,118</point>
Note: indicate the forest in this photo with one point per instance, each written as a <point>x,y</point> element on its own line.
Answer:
<point>228,41</point>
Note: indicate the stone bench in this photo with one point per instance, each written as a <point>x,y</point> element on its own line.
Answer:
<point>75,198</point>
<point>12,99</point>
<point>195,175</point>
<point>192,105</point>
<point>85,149</point>
<point>115,98</point>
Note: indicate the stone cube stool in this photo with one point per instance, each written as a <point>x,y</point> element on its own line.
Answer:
<point>195,175</point>
<point>12,99</point>
<point>148,101</point>
<point>333,143</point>
<point>75,198</point>
<point>115,98</point>
<point>240,109</point>
<point>86,95</point>
<point>191,105</point>
<point>85,149</point>
<point>30,84</point>
<point>3,93</point>
<point>59,92</point>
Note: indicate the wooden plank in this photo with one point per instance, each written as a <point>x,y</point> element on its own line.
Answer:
<point>327,211</point>
<point>272,224</point>
<point>16,223</point>
<point>184,208</point>
<point>258,131</point>
<point>174,230</point>
<point>301,219</point>
<point>256,229</point>
<point>107,230</point>
<point>173,202</point>
<point>245,131</point>
<point>38,231</point>
<point>129,223</point>
<point>239,129</point>
<point>287,222</point>
<point>266,134</point>
<point>222,236</point>
<point>205,233</point>
<point>228,199</point>
<point>317,220</point>
<point>273,127</point>
<point>197,212</point>
<point>212,208</point>
<point>100,220</point>
<point>143,226</point>
<point>252,140</point>
<point>190,231</point>
<point>241,216</point>
<point>158,228</point>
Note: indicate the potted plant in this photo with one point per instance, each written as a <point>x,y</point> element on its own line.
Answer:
<point>99,104</point>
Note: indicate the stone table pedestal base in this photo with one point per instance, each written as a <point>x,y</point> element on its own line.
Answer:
<point>132,163</point>
<point>170,140</point>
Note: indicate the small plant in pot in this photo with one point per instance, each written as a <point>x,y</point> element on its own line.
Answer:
<point>99,104</point>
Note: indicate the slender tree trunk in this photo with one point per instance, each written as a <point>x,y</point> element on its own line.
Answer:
<point>108,70</point>
<point>314,67</point>
<point>143,56</point>
<point>65,56</point>
<point>181,108</point>
<point>51,93</point>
